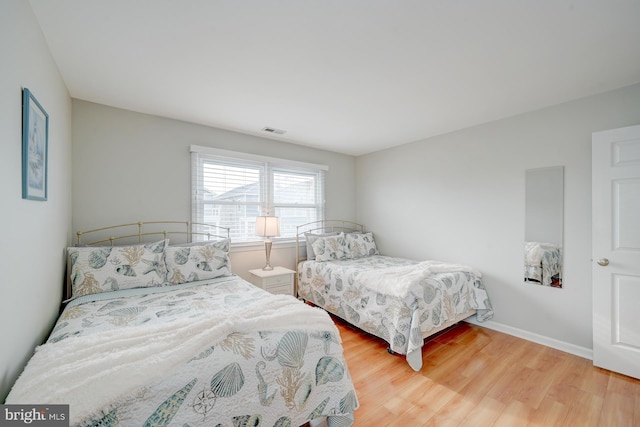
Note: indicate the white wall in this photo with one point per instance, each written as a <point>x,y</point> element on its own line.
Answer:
<point>34,234</point>
<point>130,167</point>
<point>460,197</point>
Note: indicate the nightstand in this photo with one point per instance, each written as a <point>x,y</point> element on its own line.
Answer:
<point>277,281</point>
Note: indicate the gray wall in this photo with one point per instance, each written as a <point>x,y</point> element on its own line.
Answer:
<point>460,197</point>
<point>34,234</point>
<point>132,167</point>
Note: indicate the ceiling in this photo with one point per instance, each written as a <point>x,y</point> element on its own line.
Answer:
<point>350,76</point>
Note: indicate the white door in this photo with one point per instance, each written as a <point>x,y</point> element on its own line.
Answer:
<point>616,250</point>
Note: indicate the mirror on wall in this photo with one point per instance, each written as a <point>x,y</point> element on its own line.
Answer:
<point>544,212</point>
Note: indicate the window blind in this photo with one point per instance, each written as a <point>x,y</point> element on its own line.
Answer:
<point>231,189</point>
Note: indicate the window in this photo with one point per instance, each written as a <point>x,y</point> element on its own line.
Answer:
<point>231,189</point>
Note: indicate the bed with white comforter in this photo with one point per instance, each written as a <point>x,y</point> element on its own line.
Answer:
<point>211,351</point>
<point>399,300</point>
<point>219,353</point>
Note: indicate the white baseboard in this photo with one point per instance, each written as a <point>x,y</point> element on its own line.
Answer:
<point>587,353</point>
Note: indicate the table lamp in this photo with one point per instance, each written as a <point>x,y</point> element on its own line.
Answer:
<point>267,226</point>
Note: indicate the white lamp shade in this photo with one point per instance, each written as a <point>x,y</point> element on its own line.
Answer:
<point>267,226</point>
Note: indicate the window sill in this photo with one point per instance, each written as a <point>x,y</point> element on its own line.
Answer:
<point>259,246</point>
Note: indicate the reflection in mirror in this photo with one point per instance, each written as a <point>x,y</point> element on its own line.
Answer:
<point>544,195</point>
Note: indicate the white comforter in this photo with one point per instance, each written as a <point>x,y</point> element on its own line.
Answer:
<point>397,281</point>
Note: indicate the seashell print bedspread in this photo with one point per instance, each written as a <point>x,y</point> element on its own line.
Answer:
<point>400,321</point>
<point>271,377</point>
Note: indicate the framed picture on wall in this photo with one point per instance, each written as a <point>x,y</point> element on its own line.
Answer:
<point>35,144</point>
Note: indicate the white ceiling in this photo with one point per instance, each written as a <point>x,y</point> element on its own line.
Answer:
<point>351,76</point>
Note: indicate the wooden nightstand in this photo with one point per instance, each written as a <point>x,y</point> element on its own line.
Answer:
<point>277,281</point>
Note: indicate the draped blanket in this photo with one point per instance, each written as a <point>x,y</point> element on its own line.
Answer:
<point>123,360</point>
<point>398,281</point>
<point>534,251</point>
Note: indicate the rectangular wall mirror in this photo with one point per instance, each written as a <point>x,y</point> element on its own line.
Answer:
<point>544,212</point>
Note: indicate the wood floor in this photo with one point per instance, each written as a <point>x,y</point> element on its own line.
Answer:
<point>473,376</point>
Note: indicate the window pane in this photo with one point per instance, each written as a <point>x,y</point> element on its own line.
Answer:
<point>290,218</point>
<point>231,197</point>
<point>239,218</point>
<point>231,183</point>
<point>295,188</point>
<point>290,187</point>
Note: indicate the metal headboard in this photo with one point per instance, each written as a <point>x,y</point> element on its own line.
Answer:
<point>140,231</point>
<point>164,229</point>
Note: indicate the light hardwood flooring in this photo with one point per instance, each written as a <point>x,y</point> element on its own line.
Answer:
<point>473,376</point>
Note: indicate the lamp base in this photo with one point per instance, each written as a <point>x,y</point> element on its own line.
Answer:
<point>267,248</point>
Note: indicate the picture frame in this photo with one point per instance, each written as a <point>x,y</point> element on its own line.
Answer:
<point>35,148</point>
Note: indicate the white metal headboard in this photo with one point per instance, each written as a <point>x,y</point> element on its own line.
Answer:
<point>140,232</point>
<point>164,229</point>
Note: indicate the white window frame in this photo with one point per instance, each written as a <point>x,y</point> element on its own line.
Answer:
<point>268,166</point>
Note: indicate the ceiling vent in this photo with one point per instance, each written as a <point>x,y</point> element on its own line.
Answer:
<point>274,130</point>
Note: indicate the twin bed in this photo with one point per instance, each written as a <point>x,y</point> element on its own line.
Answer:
<point>162,334</point>
<point>401,301</point>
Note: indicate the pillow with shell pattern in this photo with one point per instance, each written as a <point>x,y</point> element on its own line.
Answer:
<point>360,245</point>
<point>329,248</point>
<point>198,262</point>
<point>312,237</point>
<point>96,269</point>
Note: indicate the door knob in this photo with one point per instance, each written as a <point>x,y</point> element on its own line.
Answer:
<point>603,262</point>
